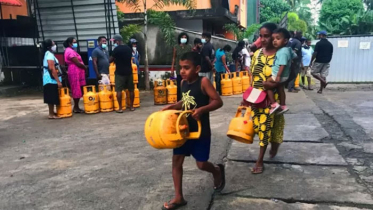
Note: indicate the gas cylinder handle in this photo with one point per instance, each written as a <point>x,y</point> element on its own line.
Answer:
<point>168,82</point>
<point>239,111</point>
<point>192,135</point>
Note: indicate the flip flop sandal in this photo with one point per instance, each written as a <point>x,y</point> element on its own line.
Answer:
<point>173,206</point>
<point>319,92</point>
<point>120,111</point>
<point>222,185</point>
<point>78,112</point>
<point>132,109</point>
<point>257,170</point>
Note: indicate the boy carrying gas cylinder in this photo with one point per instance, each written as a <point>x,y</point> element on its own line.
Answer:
<point>199,95</point>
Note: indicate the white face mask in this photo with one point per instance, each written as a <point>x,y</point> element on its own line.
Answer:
<point>183,40</point>
<point>134,49</point>
<point>54,48</point>
<point>203,41</point>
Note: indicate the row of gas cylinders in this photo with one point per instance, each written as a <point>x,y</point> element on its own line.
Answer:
<point>235,83</point>
<point>170,129</point>
<point>165,92</point>
<point>105,100</point>
<point>135,75</point>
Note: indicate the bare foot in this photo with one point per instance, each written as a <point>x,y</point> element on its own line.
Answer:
<point>174,204</point>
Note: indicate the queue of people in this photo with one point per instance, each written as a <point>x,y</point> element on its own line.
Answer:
<point>77,70</point>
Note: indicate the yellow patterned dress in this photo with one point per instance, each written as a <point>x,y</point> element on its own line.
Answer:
<point>270,128</point>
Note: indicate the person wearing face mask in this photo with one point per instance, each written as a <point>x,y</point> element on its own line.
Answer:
<point>76,71</point>
<point>100,58</point>
<point>51,77</point>
<point>122,56</point>
<point>135,54</point>
<point>179,50</point>
<point>207,57</point>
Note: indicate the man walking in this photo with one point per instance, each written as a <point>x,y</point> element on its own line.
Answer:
<point>207,57</point>
<point>307,53</point>
<point>296,46</point>
<point>122,56</point>
<point>100,58</point>
<point>323,55</point>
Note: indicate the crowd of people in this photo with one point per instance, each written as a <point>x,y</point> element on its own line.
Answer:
<point>76,70</point>
<point>274,61</point>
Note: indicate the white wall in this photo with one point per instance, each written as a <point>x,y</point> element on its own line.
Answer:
<point>193,25</point>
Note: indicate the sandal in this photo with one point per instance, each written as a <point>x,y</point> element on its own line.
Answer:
<point>319,92</point>
<point>78,111</point>
<point>257,170</point>
<point>132,109</point>
<point>173,206</point>
<point>120,111</point>
<point>54,117</point>
<point>222,185</point>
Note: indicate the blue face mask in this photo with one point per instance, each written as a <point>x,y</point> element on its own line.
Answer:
<point>115,45</point>
<point>203,41</point>
<point>75,45</point>
<point>103,46</point>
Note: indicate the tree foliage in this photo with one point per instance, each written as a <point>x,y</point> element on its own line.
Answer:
<point>272,10</point>
<point>129,30</point>
<point>332,11</point>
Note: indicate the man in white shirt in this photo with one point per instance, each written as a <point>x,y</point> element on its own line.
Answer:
<point>307,52</point>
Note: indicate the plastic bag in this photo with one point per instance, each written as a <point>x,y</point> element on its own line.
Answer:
<point>104,80</point>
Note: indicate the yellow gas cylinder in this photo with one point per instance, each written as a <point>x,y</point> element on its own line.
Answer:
<point>134,72</point>
<point>91,100</point>
<point>169,129</point>
<point>112,73</point>
<point>64,109</point>
<point>241,127</point>
<point>136,101</point>
<point>106,98</point>
<point>245,80</point>
<point>160,93</point>
<point>226,85</point>
<point>237,84</point>
<point>171,92</point>
<point>115,99</point>
<point>296,83</point>
<point>214,82</point>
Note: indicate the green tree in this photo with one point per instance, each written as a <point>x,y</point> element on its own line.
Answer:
<point>159,18</point>
<point>272,10</point>
<point>332,12</point>
<point>295,23</point>
<point>241,34</point>
<point>129,30</point>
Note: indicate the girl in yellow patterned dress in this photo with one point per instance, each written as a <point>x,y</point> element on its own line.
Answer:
<point>270,128</point>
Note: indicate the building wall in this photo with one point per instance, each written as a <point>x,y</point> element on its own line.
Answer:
<point>201,4</point>
<point>243,13</point>
<point>11,12</point>
<point>193,25</point>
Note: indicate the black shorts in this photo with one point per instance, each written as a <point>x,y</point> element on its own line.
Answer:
<point>51,95</point>
<point>124,82</point>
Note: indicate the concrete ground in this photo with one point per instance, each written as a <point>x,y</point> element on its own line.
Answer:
<point>103,161</point>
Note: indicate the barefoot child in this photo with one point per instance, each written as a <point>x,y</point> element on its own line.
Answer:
<point>198,95</point>
<point>280,70</point>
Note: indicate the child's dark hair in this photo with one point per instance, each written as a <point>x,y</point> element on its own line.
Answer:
<point>197,41</point>
<point>194,57</point>
<point>181,35</point>
<point>206,34</point>
<point>227,48</point>
<point>285,33</point>
<point>68,41</point>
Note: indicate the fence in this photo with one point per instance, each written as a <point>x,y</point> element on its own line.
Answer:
<point>352,59</point>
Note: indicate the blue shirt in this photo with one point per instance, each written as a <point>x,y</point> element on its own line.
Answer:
<point>219,66</point>
<point>283,58</point>
<point>307,56</point>
<point>46,76</point>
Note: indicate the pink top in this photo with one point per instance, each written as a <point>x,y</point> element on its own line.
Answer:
<point>69,55</point>
<point>258,43</point>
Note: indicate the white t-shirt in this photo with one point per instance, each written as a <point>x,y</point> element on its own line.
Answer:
<point>246,55</point>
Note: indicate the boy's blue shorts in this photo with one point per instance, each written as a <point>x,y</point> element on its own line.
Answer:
<point>199,148</point>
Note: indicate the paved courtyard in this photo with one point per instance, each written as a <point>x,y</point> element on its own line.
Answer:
<point>103,161</point>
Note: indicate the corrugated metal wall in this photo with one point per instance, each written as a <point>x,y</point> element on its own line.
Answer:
<point>351,64</point>
<point>57,22</point>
